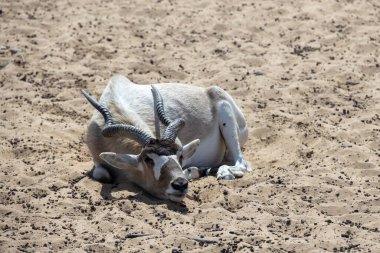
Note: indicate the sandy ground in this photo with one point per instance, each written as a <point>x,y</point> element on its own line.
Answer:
<point>305,73</point>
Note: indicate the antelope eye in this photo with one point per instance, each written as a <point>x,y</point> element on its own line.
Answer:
<point>148,160</point>
<point>180,157</point>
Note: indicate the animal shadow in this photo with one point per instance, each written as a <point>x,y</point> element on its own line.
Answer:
<point>139,195</point>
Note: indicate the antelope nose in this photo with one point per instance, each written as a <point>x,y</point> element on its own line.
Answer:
<point>180,184</point>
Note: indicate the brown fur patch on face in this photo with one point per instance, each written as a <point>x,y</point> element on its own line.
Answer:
<point>169,172</point>
<point>160,147</point>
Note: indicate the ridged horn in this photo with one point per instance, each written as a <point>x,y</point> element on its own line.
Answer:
<point>159,106</point>
<point>128,131</point>
<point>118,130</point>
<point>173,127</point>
<point>172,130</point>
<point>101,108</point>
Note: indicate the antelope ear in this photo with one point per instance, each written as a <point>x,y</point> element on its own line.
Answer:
<point>120,161</point>
<point>189,149</point>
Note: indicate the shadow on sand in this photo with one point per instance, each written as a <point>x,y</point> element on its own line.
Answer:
<point>140,196</point>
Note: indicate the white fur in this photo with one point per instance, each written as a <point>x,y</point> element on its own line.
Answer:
<point>100,173</point>
<point>211,116</point>
<point>159,162</point>
<point>192,173</point>
<point>231,138</point>
<point>175,158</point>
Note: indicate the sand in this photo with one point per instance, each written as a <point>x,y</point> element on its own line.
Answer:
<point>305,73</point>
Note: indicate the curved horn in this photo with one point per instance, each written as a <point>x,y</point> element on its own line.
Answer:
<point>173,127</point>
<point>159,106</point>
<point>128,131</point>
<point>118,130</point>
<point>101,108</point>
<point>172,130</point>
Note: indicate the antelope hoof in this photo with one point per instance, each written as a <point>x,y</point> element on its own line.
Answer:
<point>246,166</point>
<point>226,172</point>
<point>227,177</point>
<point>192,173</point>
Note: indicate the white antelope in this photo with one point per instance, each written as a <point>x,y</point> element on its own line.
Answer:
<point>204,132</point>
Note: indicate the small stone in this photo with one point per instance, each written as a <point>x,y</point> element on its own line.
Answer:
<point>15,50</point>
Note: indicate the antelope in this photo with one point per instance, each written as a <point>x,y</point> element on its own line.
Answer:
<point>202,132</point>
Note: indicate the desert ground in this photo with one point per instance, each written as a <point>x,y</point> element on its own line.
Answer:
<point>305,73</point>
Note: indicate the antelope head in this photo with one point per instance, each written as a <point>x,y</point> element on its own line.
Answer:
<point>158,167</point>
